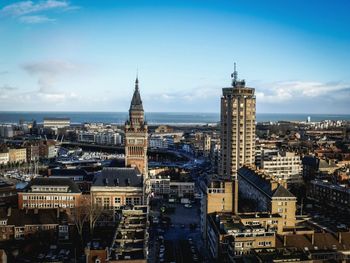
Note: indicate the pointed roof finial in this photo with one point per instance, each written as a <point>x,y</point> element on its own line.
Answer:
<point>137,79</point>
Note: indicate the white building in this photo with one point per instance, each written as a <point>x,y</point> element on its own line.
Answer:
<point>4,158</point>
<point>181,189</point>
<point>161,142</point>
<point>6,131</point>
<point>110,138</point>
<point>287,167</point>
<point>56,123</point>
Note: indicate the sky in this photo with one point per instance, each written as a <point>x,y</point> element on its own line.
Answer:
<point>81,55</point>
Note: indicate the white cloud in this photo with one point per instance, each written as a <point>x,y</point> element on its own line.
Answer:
<point>35,19</point>
<point>48,72</point>
<point>31,12</point>
<point>281,92</point>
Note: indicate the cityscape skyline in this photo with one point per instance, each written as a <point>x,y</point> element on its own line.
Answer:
<point>55,58</point>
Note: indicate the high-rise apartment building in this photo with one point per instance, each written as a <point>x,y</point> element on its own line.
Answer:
<point>237,131</point>
<point>237,127</point>
<point>136,135</point>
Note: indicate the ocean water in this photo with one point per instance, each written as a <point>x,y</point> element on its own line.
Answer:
<point>157,117</point>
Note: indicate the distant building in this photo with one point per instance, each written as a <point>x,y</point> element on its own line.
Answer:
<point>17,155</point>
<point>326,193</point>
<point>18,224</point>
<point>182,189</point>
<point>56,123</point>
<point>285,167</point>
<point>136,135</point>
<point>6,131</point>
<point>4,157</point>
<point>164,129</point>
<point>47,193</point>
<point>108,138</point>
<point>117,187</point>
<point>311,166</point>
<point>33,151</point>
<point>8,193</point>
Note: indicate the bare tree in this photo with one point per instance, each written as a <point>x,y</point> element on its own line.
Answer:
<point>95,211</point>
<point>80,216</point>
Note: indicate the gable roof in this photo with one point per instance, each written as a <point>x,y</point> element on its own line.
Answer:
<point>44,181</point>
<point>115,176</point>
<point>280,191</point>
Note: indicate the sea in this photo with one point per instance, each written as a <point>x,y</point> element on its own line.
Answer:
<point>156,118</point>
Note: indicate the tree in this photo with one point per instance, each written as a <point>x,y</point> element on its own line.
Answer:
<point>80,216</point>
<point>95,211</point>
<point>84,213</point>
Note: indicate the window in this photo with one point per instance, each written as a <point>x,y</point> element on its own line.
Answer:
<point>98,201</point>
<point>117,200</point>
<point>128,201</point>
<point>137,201</point>
<point>106,202</point>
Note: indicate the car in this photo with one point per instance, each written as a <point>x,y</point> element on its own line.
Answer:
<point>188,205</point>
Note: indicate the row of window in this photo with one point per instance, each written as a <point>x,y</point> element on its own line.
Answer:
<point>47,205</point>
<point>49,197</point>
<point>106,201</point>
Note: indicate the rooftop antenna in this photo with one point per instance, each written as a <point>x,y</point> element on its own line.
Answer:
<point>234,75</point>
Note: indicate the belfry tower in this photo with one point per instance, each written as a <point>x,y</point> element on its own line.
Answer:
<point>136,136</point>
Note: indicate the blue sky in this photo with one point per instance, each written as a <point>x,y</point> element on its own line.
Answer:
<point>83,55</point>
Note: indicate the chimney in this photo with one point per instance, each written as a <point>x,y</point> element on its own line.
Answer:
<point>313,238</point>
<point>9,211</point>
<point>340,237</point>
<point>274,185</point>
<point>285,240</point>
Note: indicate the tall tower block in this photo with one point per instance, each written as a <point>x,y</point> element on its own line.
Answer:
<point>237,130</point>
<point>136,135</point>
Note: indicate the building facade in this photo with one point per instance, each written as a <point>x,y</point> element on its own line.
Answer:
<point>237,127</point>
<point>136,135</point>
<point>18,155</point>
<point>117,187</point>
<point>56,123</point>
<point>287,167</point>
<point>48,193</point>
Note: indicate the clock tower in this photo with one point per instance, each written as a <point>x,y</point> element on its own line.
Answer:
<point>136,135</point>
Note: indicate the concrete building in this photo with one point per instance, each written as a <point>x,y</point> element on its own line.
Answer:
<point>286,166</point>
<point>237,127</point>
<point>6,131</point>
<point>48,193</point>
<point>182,189</point>
<point>229,239</point>
<point>56,123</point>
<point>217,196</point>
<point>327,193</point>
<point>117,187</point>
<point>136,135</point>
<point>160,185</point>
<point>268,195</point>
<point>237,130</point>
<point>17,155</point>
<point>4,157</point>
<point>108,138</point>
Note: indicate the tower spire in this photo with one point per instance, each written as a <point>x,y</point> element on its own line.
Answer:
<point>137,80</point>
